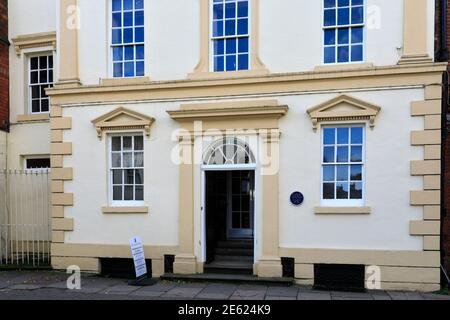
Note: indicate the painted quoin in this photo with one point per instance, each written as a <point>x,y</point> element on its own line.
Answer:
<point>190,124</point>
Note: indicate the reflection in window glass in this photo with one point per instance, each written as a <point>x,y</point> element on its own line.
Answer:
<point>127,38</point>
<point>343,23</point>
<point>230,35</point>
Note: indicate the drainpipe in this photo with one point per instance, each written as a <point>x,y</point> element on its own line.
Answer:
<point>443,56</point>
<point>443,49</point>
<point>444,136</point>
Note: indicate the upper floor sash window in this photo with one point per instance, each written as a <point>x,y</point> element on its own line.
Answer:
<point>343,24</point>
<point>230,35</point>
<point>127,38</point>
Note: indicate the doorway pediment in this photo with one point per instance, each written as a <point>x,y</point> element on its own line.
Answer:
<point>246,114</point>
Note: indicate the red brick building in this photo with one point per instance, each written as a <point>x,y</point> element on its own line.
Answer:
<point>442,54</point>
<point>4,67</point>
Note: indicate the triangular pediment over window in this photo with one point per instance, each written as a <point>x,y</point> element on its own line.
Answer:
<point>122,119</point>
<point>343,108</point>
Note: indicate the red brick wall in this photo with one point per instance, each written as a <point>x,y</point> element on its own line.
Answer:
<point>446,220</point>
<point>446,155</point>
<point>4,66</point>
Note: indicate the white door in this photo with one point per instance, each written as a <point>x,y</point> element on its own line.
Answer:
<point>241,186</point>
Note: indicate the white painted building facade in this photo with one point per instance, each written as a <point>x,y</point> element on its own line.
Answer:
<point>289,95</point>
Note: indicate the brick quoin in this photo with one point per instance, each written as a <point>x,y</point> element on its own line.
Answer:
<point>4,67</point>
<point>446,142</point>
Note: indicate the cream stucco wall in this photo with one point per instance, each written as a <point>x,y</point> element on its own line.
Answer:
<point>90,183</point>
<point>171,39</point>
<point>27,139</point>
<point>27,17</point>
<point>388,179</point>
<point>3,149</point>
<point>291,29</point>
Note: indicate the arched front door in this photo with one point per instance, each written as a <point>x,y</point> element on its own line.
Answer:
<point>229,171</point>
<point>230,179</point>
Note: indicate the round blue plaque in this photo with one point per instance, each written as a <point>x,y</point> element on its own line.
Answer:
<point>297,198</point>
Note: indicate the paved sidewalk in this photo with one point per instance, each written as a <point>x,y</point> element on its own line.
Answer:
<point>16,285</point>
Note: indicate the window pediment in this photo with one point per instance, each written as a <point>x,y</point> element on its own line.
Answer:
<point>37,40</point>
<point>122,119</point>
<point>343,108</point>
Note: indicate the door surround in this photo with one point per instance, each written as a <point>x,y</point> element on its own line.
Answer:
<point>260,116</point>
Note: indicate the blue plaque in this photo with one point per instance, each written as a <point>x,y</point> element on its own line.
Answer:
<point>297,198</point>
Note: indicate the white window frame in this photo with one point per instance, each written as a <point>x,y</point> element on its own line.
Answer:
<point>363,25</point>
<point>134,44</point>
<point>211,38</point>
<point>123,203</point>
<point>28,157</point>
<point>343,202</point>
<point>29,84</point>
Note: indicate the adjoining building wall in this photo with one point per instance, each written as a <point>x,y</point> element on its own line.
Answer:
<point>32,31</point>
<point>446,218</point>
<point>443,55</point>
<point>4,67</point>
<point>3,149</point>
<point>4,96</point>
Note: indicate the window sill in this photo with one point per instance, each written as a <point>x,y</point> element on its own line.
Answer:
<point>227,74</point>
<point>125,210</point>
<point>111,82</point>
<point>33,117</point>
<point>343,67</point>
<point>342,210</point>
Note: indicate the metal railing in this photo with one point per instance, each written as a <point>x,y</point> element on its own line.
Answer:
<point>25,221</point>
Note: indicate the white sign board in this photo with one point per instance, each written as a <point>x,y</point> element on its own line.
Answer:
<point>137,250</point>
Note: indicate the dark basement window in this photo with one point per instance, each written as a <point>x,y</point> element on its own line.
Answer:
<point>38,163</point>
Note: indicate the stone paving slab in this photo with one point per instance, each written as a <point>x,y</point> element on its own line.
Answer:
<point>41,278</point>
<point>56,285</point>
<point>182,292</point>
<point>431,296</point>
<point>351,295</point>
<point>120,289</point>
<point>414,296</point>
<point>160,287</point>
<point>52,286</point>
<point>314,296</point>
<point>282,292</point>
<point>273,298</point>
<point>217,292</point>
<point>147,293</point>
<point>380,295</point>
<point>24,287</point>
<point>97,285</point>
<point>249,292</point>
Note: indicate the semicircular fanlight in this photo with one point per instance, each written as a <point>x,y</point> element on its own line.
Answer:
<point>228,151</point>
